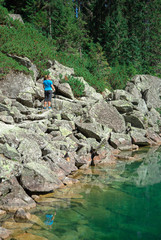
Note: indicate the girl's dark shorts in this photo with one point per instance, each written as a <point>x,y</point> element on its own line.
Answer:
<point>48,96</point>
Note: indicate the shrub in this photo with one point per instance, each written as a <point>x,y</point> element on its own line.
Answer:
<point>76,85</point>
<point>7,63</point>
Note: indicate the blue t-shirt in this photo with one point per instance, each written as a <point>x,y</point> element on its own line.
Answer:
<point>49,219</point>
<point>47,85</point>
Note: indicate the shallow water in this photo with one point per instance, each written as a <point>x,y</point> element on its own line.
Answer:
<point>117,203</point>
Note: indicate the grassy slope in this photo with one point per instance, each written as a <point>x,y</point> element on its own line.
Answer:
<point>24,40</point>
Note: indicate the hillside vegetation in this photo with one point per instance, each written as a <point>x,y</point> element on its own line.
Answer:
<point>105,43</point>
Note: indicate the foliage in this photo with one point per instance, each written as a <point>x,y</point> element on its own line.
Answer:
<point>106,42</point>
<point>7,63</point>
<point>82,68</point>
<point>76,85</point>
<point>26,42</point>
<point>120,74</point>
<point>159,110</point>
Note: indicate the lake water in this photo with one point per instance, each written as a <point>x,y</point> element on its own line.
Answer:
<point>120,202</point>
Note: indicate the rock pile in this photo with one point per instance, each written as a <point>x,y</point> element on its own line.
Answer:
<point>41,149</point>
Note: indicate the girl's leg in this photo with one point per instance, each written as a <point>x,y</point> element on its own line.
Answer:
<point>49,104</point>
<point>45,103</point>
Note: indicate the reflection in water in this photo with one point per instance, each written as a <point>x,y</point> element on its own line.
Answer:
<point>50,219</point>
<point>109,203</point>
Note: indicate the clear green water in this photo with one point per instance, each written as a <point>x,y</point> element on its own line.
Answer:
<point>122,202</point>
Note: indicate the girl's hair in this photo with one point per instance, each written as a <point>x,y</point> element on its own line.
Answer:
<point>46,77</point>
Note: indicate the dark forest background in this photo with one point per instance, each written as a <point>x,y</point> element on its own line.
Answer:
<point>105,41</point>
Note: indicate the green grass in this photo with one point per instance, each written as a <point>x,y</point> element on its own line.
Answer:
<point>76,85</point>
<point>7,64</point>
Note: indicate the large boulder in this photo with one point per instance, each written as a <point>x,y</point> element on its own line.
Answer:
<point>139,137</point>
<point>146,87</point>
<point>36,177</point>
<point>57,69</point>
<point>29,150</point>
<point>27,63</point>
<point>16,17</point>
<point>122,106</point>
<point>122,95</point>
<point>65,90</point>
<point>121,141</point>
<point>93,130</point>
<point>14,197</point>
<point>107,115</point>
<point>9,168</point>
<point>19,81</point>
<point>136,119</point>
<point>89,92</point>
<point>68,106</point>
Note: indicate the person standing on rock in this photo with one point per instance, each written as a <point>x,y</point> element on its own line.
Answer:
<point>48,87</point>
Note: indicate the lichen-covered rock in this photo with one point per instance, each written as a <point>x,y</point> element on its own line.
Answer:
<point>29,150</point>
<point>146,87</point>
<point>122,106</point>
<point>58,69</point>
<point>89,92</point>
<point>14,197</point>
<point>93,130</point>
<point>9,152</point>
<point>121,141</point>
<point>136,119</point>
<point>65,90</point>
<point>19,81</point>
<point>37,177</point>
<point>108,116</point>
<point>25,98</point>
<point>139,137</point>
<point>4,233</point>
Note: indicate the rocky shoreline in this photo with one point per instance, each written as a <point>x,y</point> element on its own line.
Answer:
<point>40,149</point>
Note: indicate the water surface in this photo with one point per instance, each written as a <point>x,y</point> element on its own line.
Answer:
<point>115,202</point>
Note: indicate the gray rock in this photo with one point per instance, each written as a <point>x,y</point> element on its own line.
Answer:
<point>10,152</point>
<point>108,116</point>
<point>83,161</point>
<point>21,108</point>
<point>123,95</point>
<point>25,98</point>
<point>65,90</point>
<point>139,137</point>
<point>6,119</point>
<point>21,215</point>
<point>16,17</point>
<point>39,91</point>
<point>69,107</point>
<point>121,141</point>
<point>150,134</point>
<point>146,87</point>
<point>107,94</point>
<point>93,130</point>
<point>90,92</point>
<point>27,63</point>
<point>4,233</point>
<point>19,81</point>
<point>122,106</point>
<point>136,119</point>
<point>141,106</point>
<point>57,69</point>
<point>29,150</point>
<point>3,108</point>
<point>17,116</point>
<point>9,167</point>
<point>153,117</point>
<point>67,167</point>
<point>36,177</point>
<point>14,197</point>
